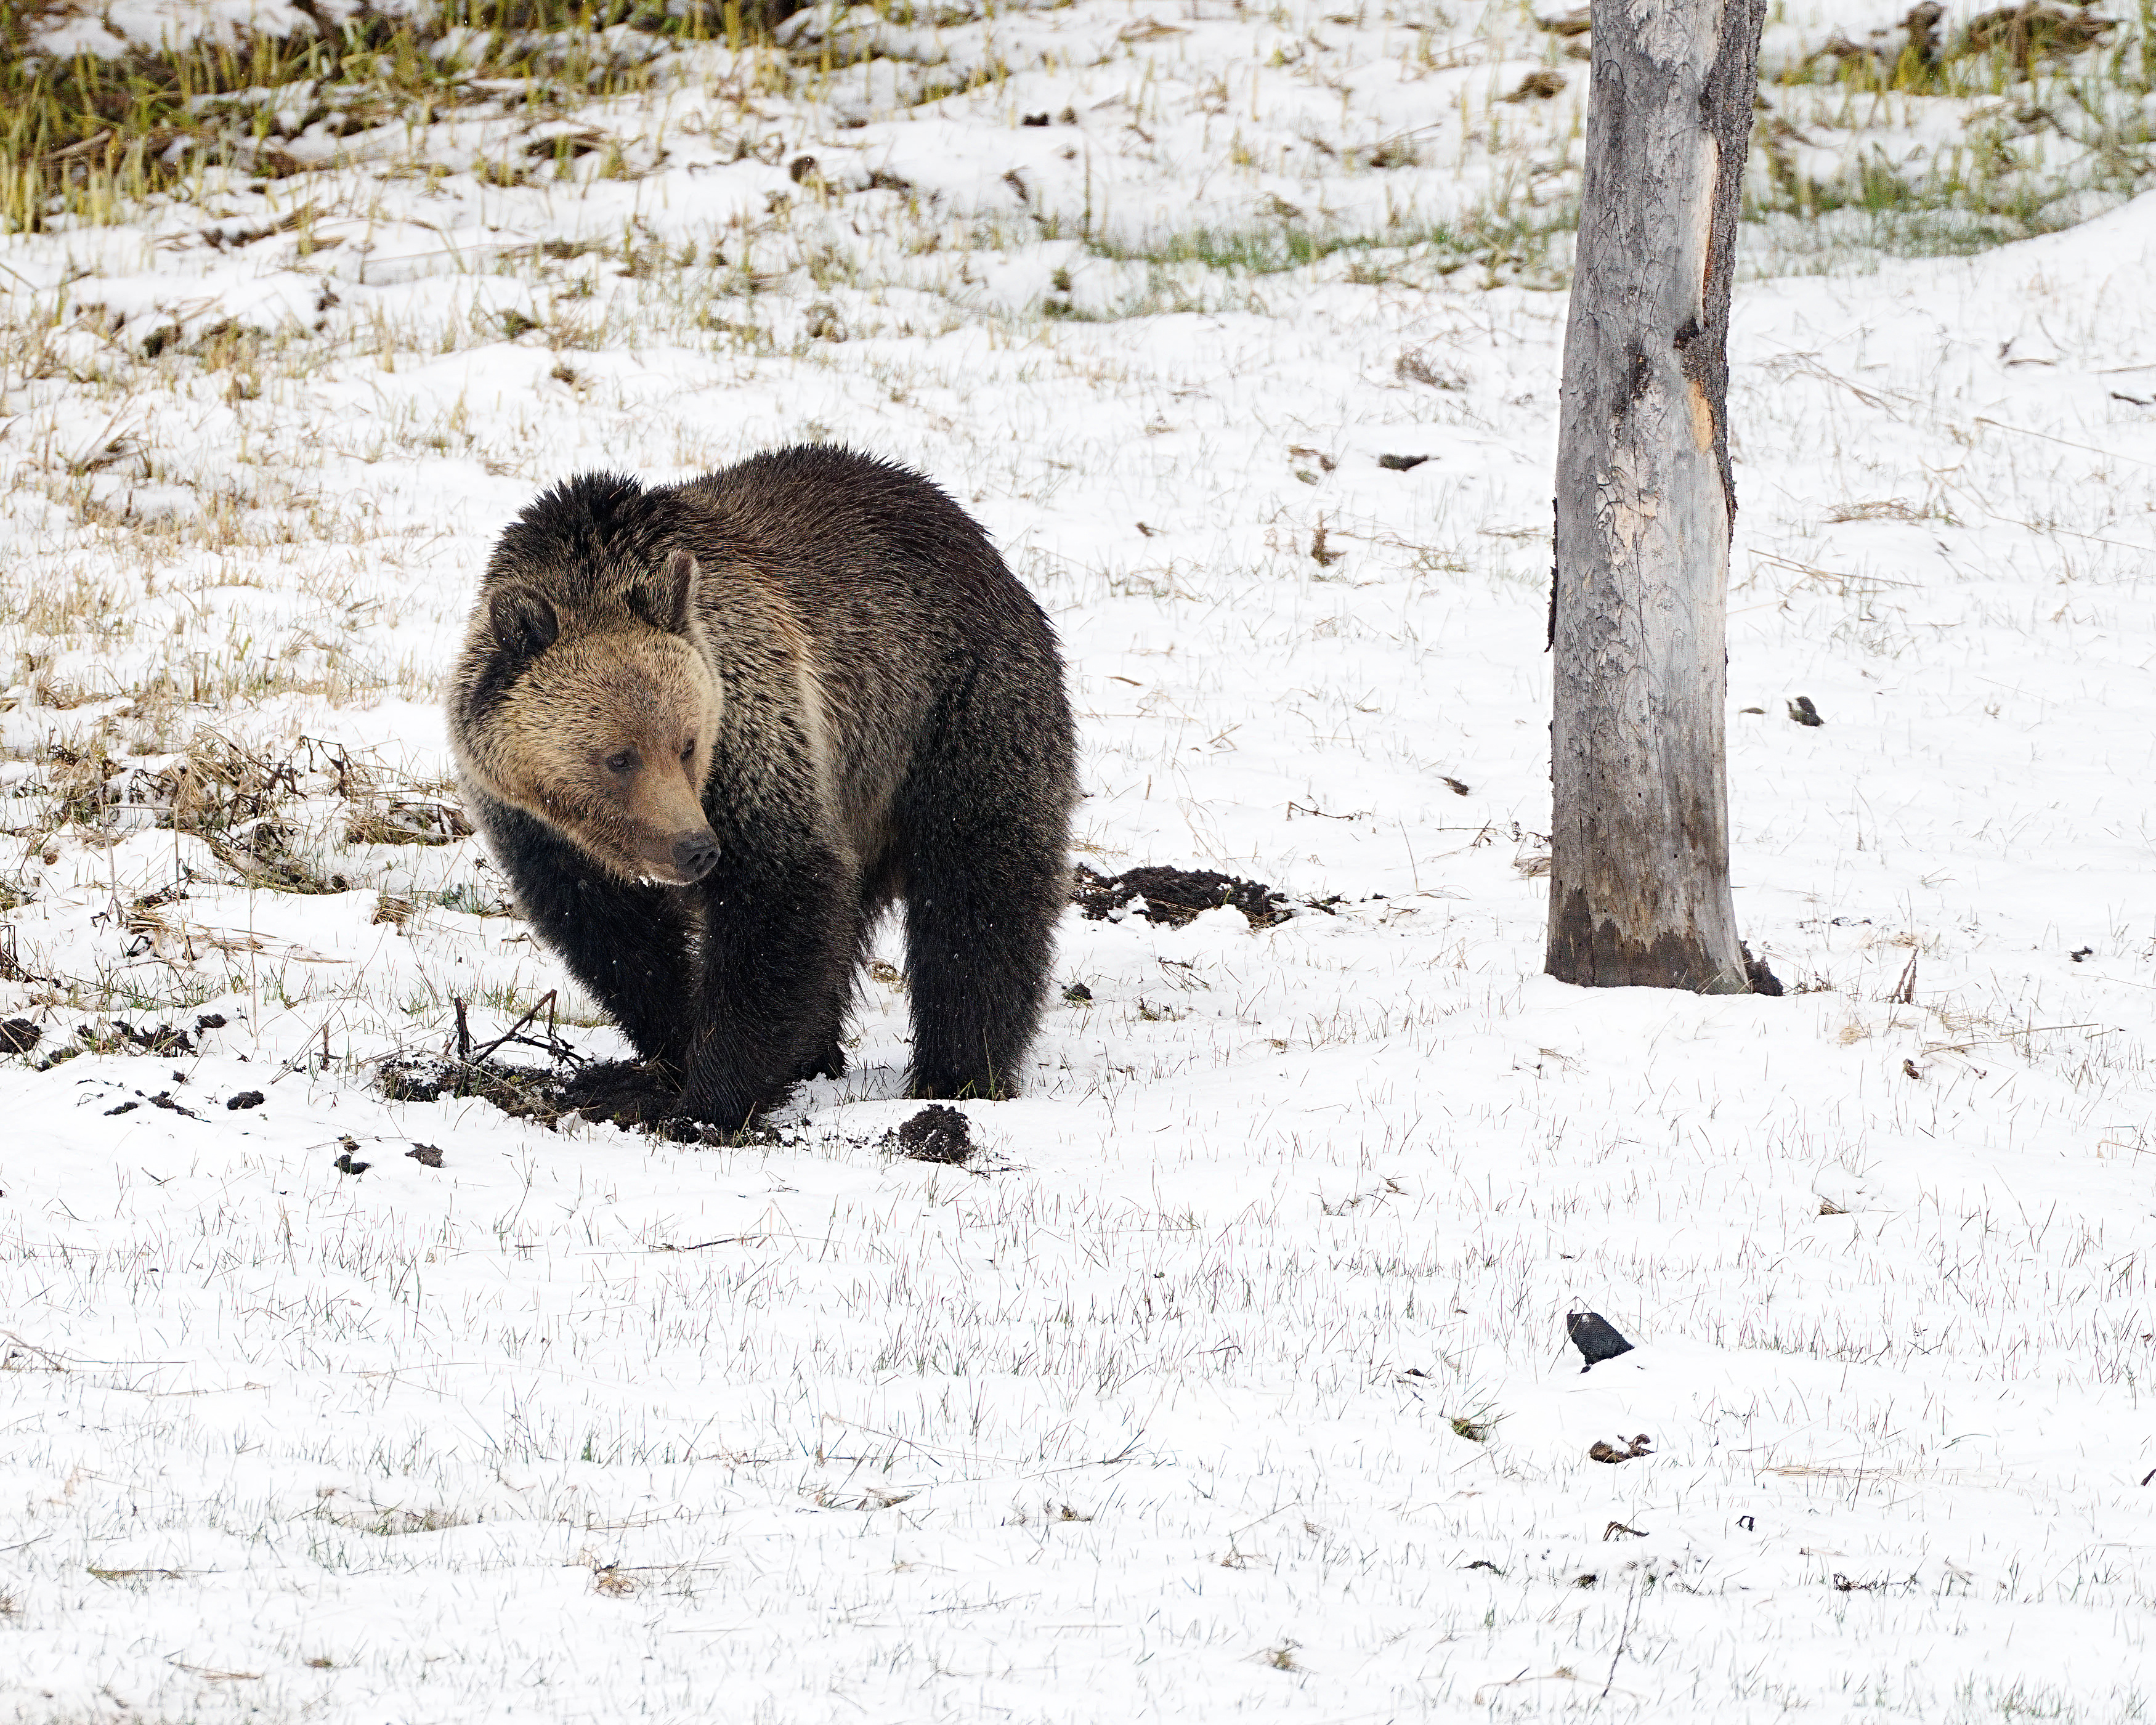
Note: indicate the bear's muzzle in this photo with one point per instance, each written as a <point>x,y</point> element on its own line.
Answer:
<point>695,854</point>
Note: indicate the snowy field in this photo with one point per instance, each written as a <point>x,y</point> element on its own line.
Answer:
<point>1230,1380</point>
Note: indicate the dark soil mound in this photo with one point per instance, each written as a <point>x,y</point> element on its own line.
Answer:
<point>937,1134</point>
<point>627,1093</point>
<point>1175,895</point>
<point>645,1096</point>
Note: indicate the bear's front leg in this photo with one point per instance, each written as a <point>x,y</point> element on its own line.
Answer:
<point>626,941</point>
<point>777,972</point>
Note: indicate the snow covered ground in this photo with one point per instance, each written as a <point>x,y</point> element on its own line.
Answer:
<point>1231,1381</point>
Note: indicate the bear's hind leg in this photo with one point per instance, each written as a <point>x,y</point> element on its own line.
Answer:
<point>981,909</point>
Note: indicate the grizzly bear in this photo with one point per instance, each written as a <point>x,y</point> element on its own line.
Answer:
<point>712,731</point>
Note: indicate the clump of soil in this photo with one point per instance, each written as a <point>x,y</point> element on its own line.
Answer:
<point>937,1134</point>
<point>643,1095</point>
<point>519,1091</point>
<point>1176,895</point>
<point>1764,980</point>
<point>630,1093</point>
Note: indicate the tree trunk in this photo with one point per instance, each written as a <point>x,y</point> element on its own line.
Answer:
<point>1639,840</point>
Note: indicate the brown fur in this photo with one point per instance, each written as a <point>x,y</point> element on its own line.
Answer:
<point>595,698</point>
<point>873,710</point>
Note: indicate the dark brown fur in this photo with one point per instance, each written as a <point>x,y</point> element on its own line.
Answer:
<point>821,656</point>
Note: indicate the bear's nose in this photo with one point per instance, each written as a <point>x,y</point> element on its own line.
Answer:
<point>695,855</point>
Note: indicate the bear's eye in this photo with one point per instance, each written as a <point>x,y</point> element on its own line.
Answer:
<point>688,751</point>
<point>622,761</point>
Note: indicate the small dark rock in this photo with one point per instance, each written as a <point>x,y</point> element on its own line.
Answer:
<point>1401,464</point>
<point>1595,1337</point>
<point>426,1155</point>
<point>937,1134</point>
<point>348,1162</point>
<point>19,1036</point>
<point>209,1021</point>
<point>800,168</point>
<point>1078,994</point>
<point>245,1099</point>
<point>1804,712</point>
<point>124,1108</point>
<point>1034,119</point>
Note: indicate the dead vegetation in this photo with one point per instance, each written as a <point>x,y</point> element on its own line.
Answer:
<point>279,819</point>
<point>116,1036</point>
<point>1850,131</point>
<point>90,134</point>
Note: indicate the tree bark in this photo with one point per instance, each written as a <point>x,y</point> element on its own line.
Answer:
<point>1639,839</point>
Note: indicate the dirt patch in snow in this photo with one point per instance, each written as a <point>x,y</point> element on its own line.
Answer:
<point>1175,896</point>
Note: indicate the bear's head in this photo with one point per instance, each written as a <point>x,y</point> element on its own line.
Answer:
<point>599,719</point>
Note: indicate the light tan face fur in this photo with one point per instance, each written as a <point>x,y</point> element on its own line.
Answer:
<point>607,738</point>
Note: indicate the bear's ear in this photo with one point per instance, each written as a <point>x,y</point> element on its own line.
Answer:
<point>661,599</point>
<point>524,623</point>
